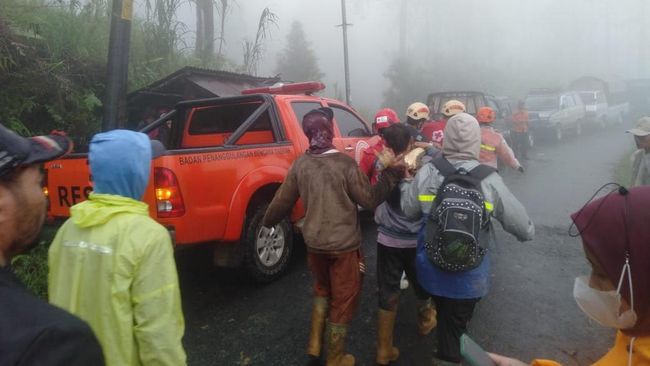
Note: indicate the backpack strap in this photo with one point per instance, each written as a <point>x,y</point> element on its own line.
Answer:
<point>444,166</point>
<point>481,172</point>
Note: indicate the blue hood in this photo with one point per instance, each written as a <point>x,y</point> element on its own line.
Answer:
<point>120,162</point>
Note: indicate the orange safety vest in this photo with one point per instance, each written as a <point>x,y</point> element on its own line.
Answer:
<point>493,145</point>
<point>520,121</point>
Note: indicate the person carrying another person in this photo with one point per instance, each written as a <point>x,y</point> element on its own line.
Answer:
<point>519,131</point>
<point>641,157</point>
<point>369,163</point>
<point>331,186</point>
<point>396,241</point>
<point>493,144</point>
<point>33,332</point>
<point>616,294</point>
<point>457,197</point>
<point>434,131</point>
<point>113,265</point>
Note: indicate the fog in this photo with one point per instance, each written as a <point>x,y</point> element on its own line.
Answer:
<point>503,47</point>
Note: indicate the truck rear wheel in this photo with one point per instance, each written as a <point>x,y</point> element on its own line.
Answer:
<point>266,258</point>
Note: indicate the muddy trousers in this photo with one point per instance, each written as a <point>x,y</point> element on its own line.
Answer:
<point>337,277</point>
<point>453,317</point>
<point>391,262</point>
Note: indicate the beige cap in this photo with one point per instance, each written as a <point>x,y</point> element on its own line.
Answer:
<point>418,111</point>
<point>642,127</point>
<point>453,107</point>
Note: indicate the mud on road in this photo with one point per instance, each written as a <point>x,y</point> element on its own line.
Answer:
<point>529,312</point>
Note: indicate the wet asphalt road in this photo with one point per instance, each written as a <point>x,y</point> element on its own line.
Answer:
<point>529,312</point>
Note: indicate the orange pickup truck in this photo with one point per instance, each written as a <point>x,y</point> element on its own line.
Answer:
<point>226,158</point>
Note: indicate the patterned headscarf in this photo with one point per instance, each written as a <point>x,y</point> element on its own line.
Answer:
<point>318,127</point>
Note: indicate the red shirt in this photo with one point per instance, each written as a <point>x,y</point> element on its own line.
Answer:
<point>368,162</point>
<point>434,131</point>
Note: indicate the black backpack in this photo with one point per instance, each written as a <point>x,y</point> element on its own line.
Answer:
<point>453,229</point>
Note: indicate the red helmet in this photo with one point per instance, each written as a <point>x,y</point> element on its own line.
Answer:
<point>486,115</point>
<point>385,117</point>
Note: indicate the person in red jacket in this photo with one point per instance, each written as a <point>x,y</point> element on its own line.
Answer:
<point>369,162</point>
<point>493,144</point>
<point>519,131</point>
<point>434,130</point>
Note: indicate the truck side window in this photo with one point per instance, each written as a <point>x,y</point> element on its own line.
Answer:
<point>349,124</point>
<point>302,108</point>
<point>213,125</point>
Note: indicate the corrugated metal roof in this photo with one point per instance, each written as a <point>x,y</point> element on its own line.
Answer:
<point>217,82</point>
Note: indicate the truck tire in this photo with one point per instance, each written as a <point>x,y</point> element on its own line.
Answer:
<point>264,259</point>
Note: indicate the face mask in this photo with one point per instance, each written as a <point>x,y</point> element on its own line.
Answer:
<point>604,306</point>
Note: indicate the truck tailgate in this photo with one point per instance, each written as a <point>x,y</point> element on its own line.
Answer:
<point>68,183</point>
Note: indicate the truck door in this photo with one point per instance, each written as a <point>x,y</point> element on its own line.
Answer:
<point>353,132</point>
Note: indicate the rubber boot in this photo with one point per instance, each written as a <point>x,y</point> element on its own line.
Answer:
<point>318,315</point>
<point>386,352</point>
<point>336,355</point>
<point>426,317</point>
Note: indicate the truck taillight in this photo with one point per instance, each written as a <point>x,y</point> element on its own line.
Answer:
<point>169,200</point>
<point>46,190</point>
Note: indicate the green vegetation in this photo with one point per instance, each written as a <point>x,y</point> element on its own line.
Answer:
<point>31,267</point>
<point>298,62</point>
<point>408,83</point>
<point>53,58</point>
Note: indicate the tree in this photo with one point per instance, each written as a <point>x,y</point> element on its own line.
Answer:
<point>408,83</point>
<point>253,50</point>
<point>297,62</point>
<point>204,28</point>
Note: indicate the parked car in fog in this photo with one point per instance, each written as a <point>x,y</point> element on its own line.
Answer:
<point>606,101</point>
<point>473,101</point>
<point>554,113</point>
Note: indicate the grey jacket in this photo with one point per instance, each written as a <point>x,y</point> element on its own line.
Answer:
<point>417,198</point>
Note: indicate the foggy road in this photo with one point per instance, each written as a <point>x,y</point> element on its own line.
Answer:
<point>529,312</point>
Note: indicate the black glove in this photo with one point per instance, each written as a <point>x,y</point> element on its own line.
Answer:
<point>520,169</point>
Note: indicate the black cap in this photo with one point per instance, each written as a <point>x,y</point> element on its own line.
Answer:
<point>17,151</point>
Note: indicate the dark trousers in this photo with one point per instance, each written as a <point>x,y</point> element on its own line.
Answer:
<point>338,277</point>
<point>391,262</point>
<point>453,317</point>
<point>520,144</point>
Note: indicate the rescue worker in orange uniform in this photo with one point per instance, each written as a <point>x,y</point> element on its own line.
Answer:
<point>493,144</point>
<point>434,130</point>
<point>369,162</point>
<point>519,131</point>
